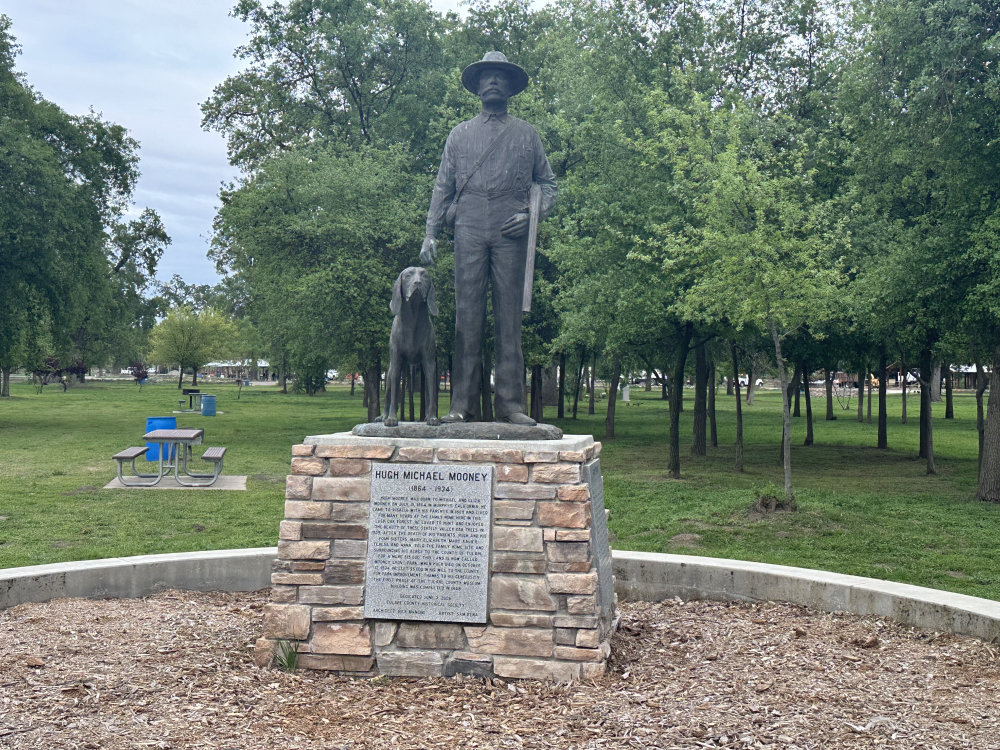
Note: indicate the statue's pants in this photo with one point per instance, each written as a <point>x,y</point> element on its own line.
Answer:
<point>483,255</point>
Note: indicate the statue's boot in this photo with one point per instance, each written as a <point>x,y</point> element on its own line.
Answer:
<point>519,418</point>
<point>455,417</point>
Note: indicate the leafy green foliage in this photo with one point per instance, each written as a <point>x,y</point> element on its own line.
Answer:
<point>355,72</point>
<point>67,262</point>
<point>318,237</point>
<point>190,339</point>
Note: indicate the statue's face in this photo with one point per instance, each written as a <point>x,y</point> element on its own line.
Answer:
<point>494,86</point>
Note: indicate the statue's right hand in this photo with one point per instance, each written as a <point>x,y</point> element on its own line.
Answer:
<point>428,251</point>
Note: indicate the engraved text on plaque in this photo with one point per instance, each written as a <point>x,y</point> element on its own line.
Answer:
<point>429,542</point>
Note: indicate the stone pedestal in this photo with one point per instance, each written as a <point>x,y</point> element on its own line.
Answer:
<point>550,605</point>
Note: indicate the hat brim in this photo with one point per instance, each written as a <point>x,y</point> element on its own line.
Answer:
<point>518,78</point>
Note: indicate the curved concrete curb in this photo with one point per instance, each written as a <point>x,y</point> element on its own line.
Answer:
<point>650,576</point>
<point>639,575</point>
<point>130,577</point>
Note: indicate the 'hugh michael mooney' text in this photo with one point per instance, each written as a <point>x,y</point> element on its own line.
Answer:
<point>435,475</point>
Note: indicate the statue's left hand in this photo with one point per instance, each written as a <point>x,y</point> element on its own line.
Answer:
<point>428,251</point>
<point>516,226</point>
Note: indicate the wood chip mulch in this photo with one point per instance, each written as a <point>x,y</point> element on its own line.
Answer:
<point>176,671</point>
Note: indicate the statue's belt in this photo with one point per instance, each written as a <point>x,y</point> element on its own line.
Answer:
<point>520,192</point>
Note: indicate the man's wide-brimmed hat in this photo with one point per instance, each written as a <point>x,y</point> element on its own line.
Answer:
<point>518,78</point>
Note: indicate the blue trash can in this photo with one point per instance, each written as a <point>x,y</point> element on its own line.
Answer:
<point>158,423</point>
<point>207,405</point>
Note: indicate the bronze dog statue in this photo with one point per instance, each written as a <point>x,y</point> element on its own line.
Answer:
<point>411,342</point>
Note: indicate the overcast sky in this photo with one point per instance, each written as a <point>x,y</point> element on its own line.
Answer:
<point>146,65</point>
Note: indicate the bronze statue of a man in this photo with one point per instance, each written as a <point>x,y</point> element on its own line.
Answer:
<point>487,170</point>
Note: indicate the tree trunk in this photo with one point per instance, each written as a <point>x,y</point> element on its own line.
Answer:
<point>796,396</point>
<point>561,406</point>
<point>5,382</point>
<point>793,389</point>
<point>699,445</point>
<point>373,378</point>
<point>883,387</point>
<point>579,382</point>
<point>828,384</point>
<point>982,380</point>
<point>354,377</point>
<point>861,396</point>
<point>593,379</point>
<point>537,408</point>
<point>750,385</point>
<point>926,421</point>
<point>789,389</point>
<point>713,431</point>
<point>949,393</point>
<point>180,379</point>
<point>935,378</point>
<point>868,381</point>
<point>738,465</point>
<point>786,446</point>
<point>609,419</point>
<point>989,474</point>
<point>809,406</point>
<point>676,398</point>
<point>903,374</point>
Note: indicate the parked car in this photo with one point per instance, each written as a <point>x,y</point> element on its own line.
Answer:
<point>642,380</point>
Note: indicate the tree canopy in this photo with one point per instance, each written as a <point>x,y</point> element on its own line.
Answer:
<point>820,175</point>
<point>72,271</point>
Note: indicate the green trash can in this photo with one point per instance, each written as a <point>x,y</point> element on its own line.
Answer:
<point>207,405</point>
<point>158,423</point>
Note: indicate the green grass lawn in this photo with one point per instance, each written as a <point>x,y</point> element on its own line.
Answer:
<point>861,510</point>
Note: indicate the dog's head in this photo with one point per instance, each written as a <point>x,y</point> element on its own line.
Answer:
<point>414,280</point>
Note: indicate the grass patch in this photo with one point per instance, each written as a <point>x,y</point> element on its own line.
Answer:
<point>860,510</point>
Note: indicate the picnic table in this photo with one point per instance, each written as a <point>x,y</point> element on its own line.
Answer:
<point>175,449</point>
<point>193,397</point>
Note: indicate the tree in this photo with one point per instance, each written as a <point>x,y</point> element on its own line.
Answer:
<point>114,324</point>
<point>189,339</point>
<point>357,72</point>
<point>921,101</point>
<point>318,237</point>
<point>64,183</point>
<point>763,238</point>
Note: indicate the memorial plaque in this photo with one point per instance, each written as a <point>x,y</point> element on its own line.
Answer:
<point>429,542</point>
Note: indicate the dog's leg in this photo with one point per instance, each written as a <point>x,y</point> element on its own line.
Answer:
<point>392,398</point>
<point>430,394</point>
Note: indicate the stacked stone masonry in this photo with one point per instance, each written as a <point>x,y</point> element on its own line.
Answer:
<point>549,616</point>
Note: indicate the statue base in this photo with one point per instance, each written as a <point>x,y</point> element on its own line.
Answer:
<point>460,431</point>
<point>428,557</point>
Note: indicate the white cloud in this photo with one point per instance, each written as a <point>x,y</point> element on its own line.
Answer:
<point>146,65</point>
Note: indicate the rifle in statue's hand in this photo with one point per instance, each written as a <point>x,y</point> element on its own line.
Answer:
<point>535,208</point>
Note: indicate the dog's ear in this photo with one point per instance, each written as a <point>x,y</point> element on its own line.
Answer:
<point>397,296</point>
<point>432,305</point>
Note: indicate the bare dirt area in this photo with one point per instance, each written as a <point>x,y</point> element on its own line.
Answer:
<point>176,671</point>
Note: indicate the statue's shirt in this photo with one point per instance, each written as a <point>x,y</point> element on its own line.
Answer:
<point>516,162</point>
